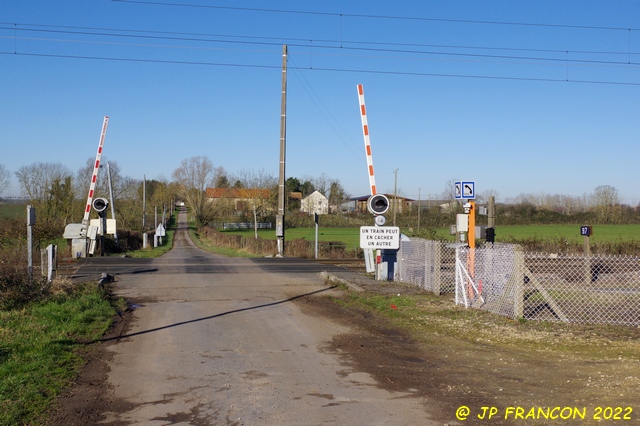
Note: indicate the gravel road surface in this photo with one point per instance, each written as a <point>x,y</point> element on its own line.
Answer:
<point>220,341</point>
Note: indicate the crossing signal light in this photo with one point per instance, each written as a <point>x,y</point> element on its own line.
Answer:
<point>378,204</point>
<point>100,204</point>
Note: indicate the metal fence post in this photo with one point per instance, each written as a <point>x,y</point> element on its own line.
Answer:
<point>517,282</point>
<point>436,249</point>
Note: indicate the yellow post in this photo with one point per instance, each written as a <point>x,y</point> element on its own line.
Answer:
<point>471,234</point>
<point>472,225</point>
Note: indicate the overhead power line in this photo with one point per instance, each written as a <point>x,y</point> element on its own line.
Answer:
<point>345,70</point>
<point>324,44</point>
<point>371,16</point>
<point>191,36</point>
<point>382,50</point>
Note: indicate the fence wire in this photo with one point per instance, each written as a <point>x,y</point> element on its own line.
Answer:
<point>490,279</point>
<point>583,289</point>
<point>507,281</point>
<point>427,264</point>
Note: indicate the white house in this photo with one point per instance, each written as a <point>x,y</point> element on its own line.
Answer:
<point>315,203</point>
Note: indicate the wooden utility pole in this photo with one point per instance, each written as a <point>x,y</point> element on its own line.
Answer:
<point>492,212</point>
<point>283,149</point>
<point>144,203</point>
<point>395,195</point>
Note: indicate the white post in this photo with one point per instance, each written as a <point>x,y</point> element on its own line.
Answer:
<point>113,208</point>
<point>31,220</point>
<point>316,240</point>
<point>52,261</point>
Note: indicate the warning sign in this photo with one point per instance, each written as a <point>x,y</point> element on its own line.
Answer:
<point>380,237</point>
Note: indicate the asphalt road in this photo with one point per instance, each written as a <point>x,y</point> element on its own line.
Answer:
<point>218,341</point>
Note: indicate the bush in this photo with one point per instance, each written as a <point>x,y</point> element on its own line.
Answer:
<point>127,241</point>
<point>351,220</point>
<point>300,248</point>
<point>15,287</point>
<point>237,242</point>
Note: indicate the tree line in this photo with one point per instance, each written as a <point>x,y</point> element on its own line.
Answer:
<point>59,195</point>
<point>196,174</point>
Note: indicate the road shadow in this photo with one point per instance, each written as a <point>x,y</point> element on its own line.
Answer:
<point>222,314</point>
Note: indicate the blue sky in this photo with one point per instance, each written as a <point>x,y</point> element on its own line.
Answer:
<point>519,97</point>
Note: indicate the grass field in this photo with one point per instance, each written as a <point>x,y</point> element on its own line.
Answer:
<point>13,211</point>
<point>40,351</point>
<point>601,233</point>
<point>351,236</point>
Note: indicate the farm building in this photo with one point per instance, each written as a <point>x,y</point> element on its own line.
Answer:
<point>315,203</point>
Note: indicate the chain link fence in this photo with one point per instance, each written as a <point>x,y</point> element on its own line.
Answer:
<point>428,264</point>
<point>503,279</point>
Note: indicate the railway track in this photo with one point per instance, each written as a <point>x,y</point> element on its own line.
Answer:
<point>357,265</point>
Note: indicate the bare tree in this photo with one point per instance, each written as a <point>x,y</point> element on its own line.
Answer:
<point>4,178</point>
<point>36,179</point>
<point>322,184</point>
<point>128,202</point>
<point>194,176</point>
<point>484,196</point>
<point>606,198</point>
<point>127,192</point>
<point>260,192</point>
<point>449,192</point>
<point>84,175</point>
<point>337,194</point>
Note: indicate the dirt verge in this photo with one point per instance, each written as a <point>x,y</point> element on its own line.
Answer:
<point>90,396</point>
<point>522,372</point>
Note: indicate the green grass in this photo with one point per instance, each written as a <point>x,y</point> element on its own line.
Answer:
<point>167,242</point>
<point>601,233</point>
<point>351,236</point>
<point>224,251</point>
<point>391,306</point>
<point>13,211</point>
<point>204,245</point>
<point>429,318</point>
<point>40,350</point>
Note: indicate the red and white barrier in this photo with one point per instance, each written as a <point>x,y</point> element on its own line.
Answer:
<point>367,141</point>
<point>94,177</point>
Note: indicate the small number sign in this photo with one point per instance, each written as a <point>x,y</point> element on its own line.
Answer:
<point>586,231</point>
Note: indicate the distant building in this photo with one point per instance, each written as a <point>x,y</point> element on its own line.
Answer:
<point>315,203</point>
<point>295,196</point>
<point>240,199</point>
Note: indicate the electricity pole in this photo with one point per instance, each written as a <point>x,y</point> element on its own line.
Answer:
<point>395,197</point>
<point>144,202</point>
<point>283,148</point>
